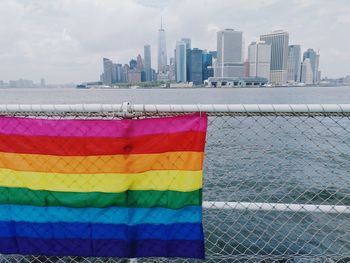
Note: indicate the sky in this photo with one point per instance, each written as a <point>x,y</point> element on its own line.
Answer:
<point>64,41</point>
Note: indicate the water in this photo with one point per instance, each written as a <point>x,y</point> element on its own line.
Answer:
<point>183,96</point>
<point>256,159</point>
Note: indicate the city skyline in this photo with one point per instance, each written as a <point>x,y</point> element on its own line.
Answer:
<point>49,40</point>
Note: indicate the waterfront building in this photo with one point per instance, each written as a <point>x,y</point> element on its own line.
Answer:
<point>207,65</point>
<point>246,68</point>
<point>117,73</point>
<point>279,41</point>
<point>162,51</point>
<point>133,64</point>
<point>229,54</point>
<point>196,68</point>
<point>318,72</point>
<point>312,56</point>
<point>294,61</point>
<point>235,82</point>
<point>307,75</point>
<point>148,63</point>
<point>134,76</point>
<point>107,75</point>
<point>172,69</point>
<point>139,63</point>
<point>188,42</point>
<point>181,61</point>
<point>259,57</point>
<point>125,73</point>
<point>214,54</point>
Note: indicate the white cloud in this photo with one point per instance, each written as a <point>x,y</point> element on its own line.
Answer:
<point>65,40</point>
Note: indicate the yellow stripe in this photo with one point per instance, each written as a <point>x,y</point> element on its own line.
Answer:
<point>183,181</point>
<point>128,163</point>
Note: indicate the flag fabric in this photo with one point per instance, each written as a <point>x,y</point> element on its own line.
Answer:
<point>119,188</point>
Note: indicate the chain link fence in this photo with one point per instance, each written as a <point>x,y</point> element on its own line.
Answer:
<point>276,180</point>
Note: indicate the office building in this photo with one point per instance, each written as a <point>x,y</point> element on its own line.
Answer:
<point>196,68</point>
<point>279,41</point>
<point>229,54</point>
<point>314,62</point>
<point>147,64</point>
<point>180,61</point>
<point>162,51</point>
<point>259,57</point>
<point>172,69</point>
<point>188,42</point>
<point>207,65</point>
<point>139,63</point>
<point>134,76</point>
<point>107,75</point>
<point>294,62</point>
<point>307,75</point>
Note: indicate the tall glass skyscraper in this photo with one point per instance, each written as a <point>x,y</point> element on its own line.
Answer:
<point>162,52</point>
<point>188,42</point>
<point>279,41</point>
<point>313,57</point>
<point>229,54</point>
<point>294,62</point>
<point>147,62</point>
<point>180,61</point>
<point>107,76</point>
<point>196,66</point>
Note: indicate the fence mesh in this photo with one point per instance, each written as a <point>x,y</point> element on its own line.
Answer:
<point>292,158</point>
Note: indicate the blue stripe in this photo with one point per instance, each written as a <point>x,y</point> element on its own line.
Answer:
<point>102,247</point>
<point>112,215</point>
<point>101,231</point>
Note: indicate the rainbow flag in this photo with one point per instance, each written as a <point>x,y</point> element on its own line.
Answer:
<point>119,188</point>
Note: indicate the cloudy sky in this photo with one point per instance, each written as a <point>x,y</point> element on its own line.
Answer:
<point>65,40</point>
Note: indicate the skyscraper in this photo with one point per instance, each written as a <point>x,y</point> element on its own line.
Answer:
<point>147,64</point>
<point>314,61</point>
<point>133,64</point>
<point>229,54</point>
<point>139,63</point>
<point>259,57</point>
<point>162,52</point>
<point>307,76</point>
<point>180,61</point>
<point>196,69</point>
<point>279,41</point>
<point>294,61</point>
<point>318,72</point>
<point>207,65</point>
<point>107,75</point>
<point>188,42</point>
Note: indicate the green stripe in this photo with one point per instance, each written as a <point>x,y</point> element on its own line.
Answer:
<point>145,199</point>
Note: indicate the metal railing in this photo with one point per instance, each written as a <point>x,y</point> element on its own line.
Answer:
<point>276,178</point>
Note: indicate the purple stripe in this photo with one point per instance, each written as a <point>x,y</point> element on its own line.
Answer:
<point>102,248</point>
<point>102,128</point>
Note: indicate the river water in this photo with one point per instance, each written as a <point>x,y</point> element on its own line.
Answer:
<point>256,159</point>
<point>181,96</point>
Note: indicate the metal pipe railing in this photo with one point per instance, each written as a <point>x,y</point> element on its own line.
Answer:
<point>180,108</point>
<point>277,207</point>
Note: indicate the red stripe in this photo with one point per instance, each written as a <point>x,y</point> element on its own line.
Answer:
<point>82,146</point>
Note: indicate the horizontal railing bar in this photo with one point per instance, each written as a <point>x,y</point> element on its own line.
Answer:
<point>179,108</point>
<point>334,209</point>
<point>241,108</point>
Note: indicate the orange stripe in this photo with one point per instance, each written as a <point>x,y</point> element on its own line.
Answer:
<point>133,163</point>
